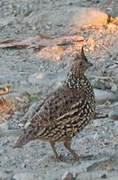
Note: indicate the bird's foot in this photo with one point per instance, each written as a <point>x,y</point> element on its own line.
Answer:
<point>57,158</point>
<point>75,156</point>
<point>60,158</point>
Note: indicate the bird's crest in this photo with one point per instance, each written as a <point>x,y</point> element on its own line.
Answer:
<point>81,56</point>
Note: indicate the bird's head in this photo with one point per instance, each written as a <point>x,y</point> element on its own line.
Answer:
<point>80,64</point>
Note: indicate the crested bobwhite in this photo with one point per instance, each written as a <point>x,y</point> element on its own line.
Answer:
<point>65,112</point>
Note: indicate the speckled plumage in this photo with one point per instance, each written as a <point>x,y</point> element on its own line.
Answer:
<point>65,112</point>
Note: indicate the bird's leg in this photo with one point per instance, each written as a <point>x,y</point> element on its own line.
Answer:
<point>54,150</point>
<point>67,144</point>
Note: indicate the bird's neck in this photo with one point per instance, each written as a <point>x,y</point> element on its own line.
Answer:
<point>76,81</point>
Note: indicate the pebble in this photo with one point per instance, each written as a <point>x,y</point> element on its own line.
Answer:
<point>23,165</point>
<point>114,88</point>
<point>5,142</point>
<point>113,115</point>
<point>67,176</point>
<point>4,175</point>
<point>23,176</point>
<point>1,152</point>
<point>104,84</point>
<point>95,175</point>
<point>100,84</point>
<point>96,1</point>
<point>89,175</point>
<point>8,171</point>
<point>103,96</point>
<point>104,176</point>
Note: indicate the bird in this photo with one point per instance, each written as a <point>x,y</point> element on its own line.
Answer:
<point>65,112</point>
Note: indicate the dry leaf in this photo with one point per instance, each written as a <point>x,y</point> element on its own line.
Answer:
<point>8,105</point>
<point>8,41</point>
<point>42,36</point>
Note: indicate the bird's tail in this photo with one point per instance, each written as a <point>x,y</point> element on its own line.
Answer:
<point>23,139</point>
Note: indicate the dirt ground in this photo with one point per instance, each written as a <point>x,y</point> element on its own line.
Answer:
<point>34,75</point>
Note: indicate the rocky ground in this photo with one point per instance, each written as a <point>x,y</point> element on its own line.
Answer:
<point>33,77</point>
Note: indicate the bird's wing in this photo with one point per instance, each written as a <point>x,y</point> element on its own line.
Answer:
<point>57,105</point>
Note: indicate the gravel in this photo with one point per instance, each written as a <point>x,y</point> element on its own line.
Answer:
<point>38,77</point>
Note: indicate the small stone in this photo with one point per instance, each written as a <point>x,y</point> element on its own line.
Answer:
<point>23,165</point>
<point>104,176</point>
<point>13,163</point>
<point>92,175</point>
<point>100,84</point>
<point>8,171</point>
<point>4,175</point>
<point>21,125</point>
<point>23,176</point>
<point>70,4</point>
<point>1,152</point>
<point>67,176</point>
<point>97,1</point>
<point>114,88</point>
<point>103,96</point>
<point>5,142</point>
<point>113,115</point>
